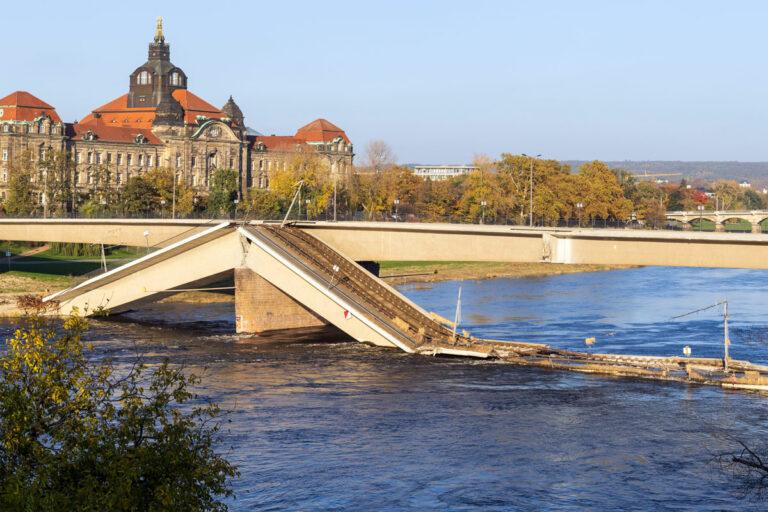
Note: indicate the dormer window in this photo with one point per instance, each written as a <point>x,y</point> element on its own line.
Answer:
<point>140,139</point>
<point>144,78</point>
<point>175,78</point>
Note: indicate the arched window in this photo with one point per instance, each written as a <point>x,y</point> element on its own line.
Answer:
<point>144,78</point>
<point>175,78</point>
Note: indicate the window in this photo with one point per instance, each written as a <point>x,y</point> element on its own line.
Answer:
<point>128,159</point>
<point>98,158</point>
<point>119,159</point>
<point>231,163</point>
<point>141,159</point>
<point>5,155</point>
<point>78,159</point>
<point>178,161</point>
<point>109,158</point>
<point>149,161</point>
<point>6,128</point>
<point>144,78</point>
<point>41,129</point>
<point>118,178</point>
<point>175,78</point>
<point>193,161</point>
<point>90,158</point>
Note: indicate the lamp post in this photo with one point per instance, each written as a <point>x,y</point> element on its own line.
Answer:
<point>235,201</point>
<point>579,207</point>
<point>306,203</point>
<point>530,209</point>
<point>483,204</point>
<point>162,208</point>
<point>173,200</point>
<point>701,214</point>
<point>397,204</point>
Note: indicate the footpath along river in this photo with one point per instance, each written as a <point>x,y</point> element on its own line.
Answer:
<point>323,424</point>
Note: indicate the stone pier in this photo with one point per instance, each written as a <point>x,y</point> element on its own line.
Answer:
<point>260,307</point>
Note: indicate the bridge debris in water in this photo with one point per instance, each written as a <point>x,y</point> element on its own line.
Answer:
<point>430,334</point>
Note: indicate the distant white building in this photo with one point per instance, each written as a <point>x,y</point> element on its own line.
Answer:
<point>441,172</point>
<point>745,184</point>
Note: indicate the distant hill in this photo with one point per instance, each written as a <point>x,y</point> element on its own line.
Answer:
<point>754,172</point>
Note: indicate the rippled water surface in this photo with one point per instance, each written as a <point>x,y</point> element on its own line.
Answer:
<point>320,423</point>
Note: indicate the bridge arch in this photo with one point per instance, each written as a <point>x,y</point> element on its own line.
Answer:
<point>737,224</point>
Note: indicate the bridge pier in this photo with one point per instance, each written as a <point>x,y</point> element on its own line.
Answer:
<point>719,227</point>
<point>756,228</point>
<point>260,306</point>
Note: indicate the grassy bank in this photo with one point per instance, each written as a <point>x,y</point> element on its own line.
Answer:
<point>400,272</point>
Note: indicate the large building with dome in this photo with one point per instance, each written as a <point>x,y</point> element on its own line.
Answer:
<point>159,122</point>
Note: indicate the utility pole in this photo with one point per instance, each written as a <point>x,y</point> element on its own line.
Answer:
<point>334,198</point>
<point>530,187</point>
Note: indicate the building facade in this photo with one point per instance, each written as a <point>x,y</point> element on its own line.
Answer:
<point>159,122</point>
<point>441,172</point>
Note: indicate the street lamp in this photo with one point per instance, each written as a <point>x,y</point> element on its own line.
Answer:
<point>579,207</point>
<point>306,202</point>
<point>701,214</point>
<point>397,204</point>
<point>235,201</point>
<point>146,239</point>
<point>483,204</point>
<point>162,208</point>
<point>530,210</point>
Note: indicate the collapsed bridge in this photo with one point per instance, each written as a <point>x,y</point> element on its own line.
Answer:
<point>286,278</point>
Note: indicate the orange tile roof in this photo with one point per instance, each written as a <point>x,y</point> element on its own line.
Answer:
<point>23,106</point>
<point>117,113</point>
<point>321,130</point>
<point>110,133</point>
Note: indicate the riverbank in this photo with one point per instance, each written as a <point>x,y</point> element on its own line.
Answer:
<point>404,272</point>
<point>13,284</point>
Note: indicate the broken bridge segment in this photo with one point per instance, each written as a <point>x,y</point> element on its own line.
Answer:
<point>284,278</point>
<point>344,294</point>
<point>197,260</point>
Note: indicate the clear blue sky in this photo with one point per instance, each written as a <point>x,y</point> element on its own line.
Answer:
<point>439,81</point>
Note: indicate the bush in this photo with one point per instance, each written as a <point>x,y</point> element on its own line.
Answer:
<point>81,435</point>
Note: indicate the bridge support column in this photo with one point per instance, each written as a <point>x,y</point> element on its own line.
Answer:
<point>687,226</point>
<point>756,228</point>
<point>260,306</point>
<point>719,227</point>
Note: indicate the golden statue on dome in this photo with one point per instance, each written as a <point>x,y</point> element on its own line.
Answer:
<point>159,37</point>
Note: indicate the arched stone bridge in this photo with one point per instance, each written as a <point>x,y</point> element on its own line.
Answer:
<point>720,218</point>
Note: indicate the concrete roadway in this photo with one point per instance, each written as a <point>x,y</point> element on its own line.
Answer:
<point>384,241</point>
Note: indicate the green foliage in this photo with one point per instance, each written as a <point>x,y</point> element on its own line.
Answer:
<point>223,193</point>
<point>263,205</point>
<point>139,197</point>
<point>80,435</point>
<point>74,250</point>
<point>22,199</point>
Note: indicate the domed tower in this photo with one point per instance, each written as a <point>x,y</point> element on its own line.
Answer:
<point>158,75</point>
<point>234,113</point>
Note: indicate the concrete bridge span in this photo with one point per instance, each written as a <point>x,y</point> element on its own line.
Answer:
<point>384,241</point>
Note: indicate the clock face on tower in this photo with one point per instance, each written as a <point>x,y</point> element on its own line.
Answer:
<point>214,132</point>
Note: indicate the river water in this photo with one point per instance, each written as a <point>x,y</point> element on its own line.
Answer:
<point>320,423</point>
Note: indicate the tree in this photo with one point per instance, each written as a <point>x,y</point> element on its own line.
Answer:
<point>80,435</point>
<point>223,192</point>
<point>139,197</point>
<point>22,197</point>
<point>379,155</point>
<point>603,196</point>
<point>263,204</point>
